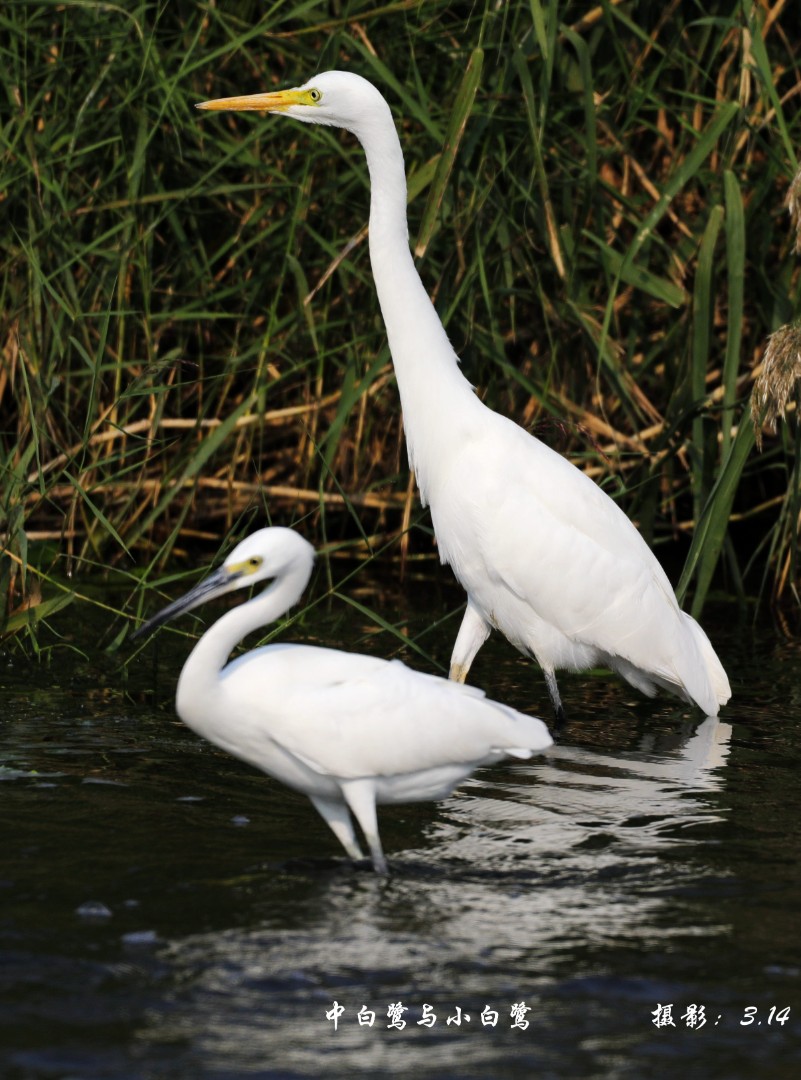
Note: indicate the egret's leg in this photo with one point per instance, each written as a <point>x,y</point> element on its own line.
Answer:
<point>556,701</point>
<point>473,632</point>
<point>337,817</point>
<point>360,797</point>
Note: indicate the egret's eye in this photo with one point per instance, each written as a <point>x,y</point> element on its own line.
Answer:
<point>315,95</point>
<point>255,562</point>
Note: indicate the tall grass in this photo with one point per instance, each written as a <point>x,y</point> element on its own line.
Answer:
<point>190,338</point>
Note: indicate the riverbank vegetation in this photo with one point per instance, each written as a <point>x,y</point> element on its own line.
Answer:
<point>191,343</point>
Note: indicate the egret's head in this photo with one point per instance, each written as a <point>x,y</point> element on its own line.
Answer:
<point>266,554</point>
<point>335,98</point>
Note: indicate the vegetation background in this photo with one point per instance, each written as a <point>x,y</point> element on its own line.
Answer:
<point>190,339</point>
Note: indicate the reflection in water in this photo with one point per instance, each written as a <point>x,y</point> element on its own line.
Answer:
<point>520,876</point>
<point>649,859</point>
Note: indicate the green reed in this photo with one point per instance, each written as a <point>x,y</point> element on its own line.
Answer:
<point>190,338</point>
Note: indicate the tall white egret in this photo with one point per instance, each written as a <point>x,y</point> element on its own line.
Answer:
<point>349,731</point>
<point>545,556</point>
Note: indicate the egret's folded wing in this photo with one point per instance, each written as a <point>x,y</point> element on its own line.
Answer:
<point>554,540</point>
<point>350,716</point>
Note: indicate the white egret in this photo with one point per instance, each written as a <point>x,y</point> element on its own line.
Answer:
<point>349,731</point>
<point>545,556</point>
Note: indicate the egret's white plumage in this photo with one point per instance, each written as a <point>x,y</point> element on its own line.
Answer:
<point>544,555</point>
<point>347,730</point>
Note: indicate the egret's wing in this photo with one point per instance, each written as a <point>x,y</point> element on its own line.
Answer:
<point>350,716</point>
<point>549,536</point>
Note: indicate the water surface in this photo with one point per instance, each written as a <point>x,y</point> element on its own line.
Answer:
<point>168,912</point>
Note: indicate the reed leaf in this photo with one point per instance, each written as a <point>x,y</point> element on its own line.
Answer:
<point>711,530</point>
<point>462,108</point>
<point>703,318</point>
<point>735,308</point>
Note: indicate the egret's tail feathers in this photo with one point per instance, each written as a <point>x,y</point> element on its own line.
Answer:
<point>695,673</point>
<point>524,736</point>
<point>716,691</point>
<point>521,752</point>
<point>640,680</point>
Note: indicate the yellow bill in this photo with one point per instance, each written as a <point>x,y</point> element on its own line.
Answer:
<point>277,101</point>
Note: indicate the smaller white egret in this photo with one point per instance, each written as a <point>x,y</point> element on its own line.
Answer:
<point>348,730</point>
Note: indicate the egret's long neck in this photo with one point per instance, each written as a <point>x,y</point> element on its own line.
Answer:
<point>426,366</point>
<point>210,655</point>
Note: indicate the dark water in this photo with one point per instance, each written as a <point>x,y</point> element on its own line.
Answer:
<point>169,912</point>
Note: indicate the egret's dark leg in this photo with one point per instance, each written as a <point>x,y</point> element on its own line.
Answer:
<point>556,701</point>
